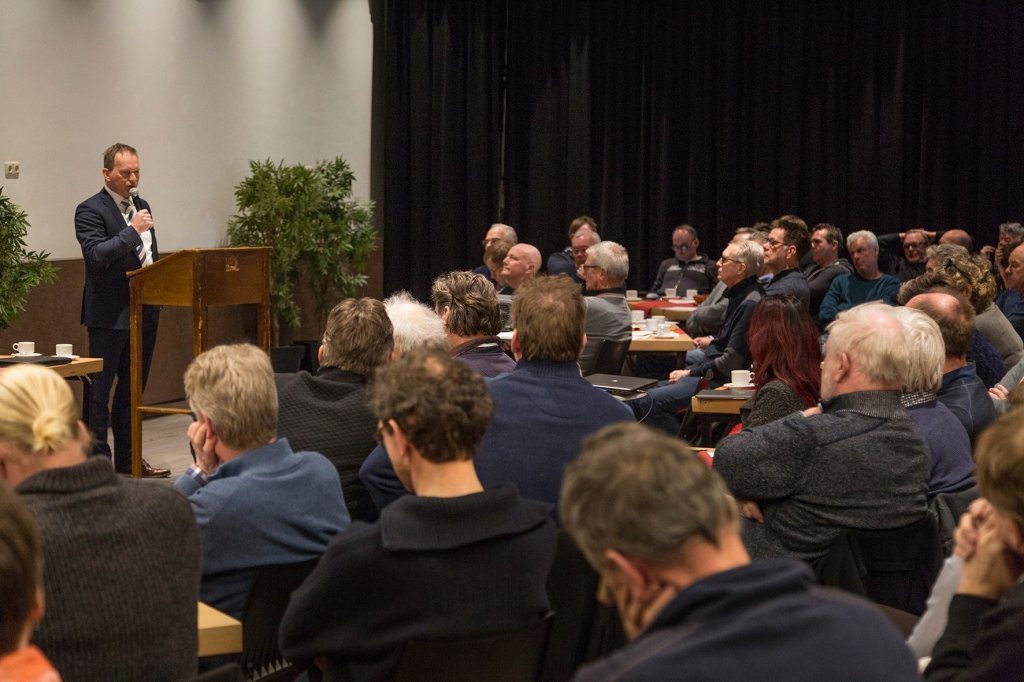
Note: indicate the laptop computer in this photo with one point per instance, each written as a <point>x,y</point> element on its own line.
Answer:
<point>617,384</point>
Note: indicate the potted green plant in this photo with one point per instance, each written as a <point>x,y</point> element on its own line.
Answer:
<point>20,269</point>
<point>316,227</point>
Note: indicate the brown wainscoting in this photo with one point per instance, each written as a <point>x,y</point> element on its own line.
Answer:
<point>53,312</point>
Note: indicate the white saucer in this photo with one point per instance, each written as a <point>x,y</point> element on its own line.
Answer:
<point>664,335</point>
<point>26,355</point>
<point>738,387</point>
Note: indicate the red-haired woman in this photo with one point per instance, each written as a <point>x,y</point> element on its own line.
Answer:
<point>784,343</point>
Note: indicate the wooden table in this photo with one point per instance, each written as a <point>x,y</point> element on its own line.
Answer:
<point>219,633</point>
<point>706,405</point>
<point>679,343</point>
<point>76,368</point>
<point>673,309</point>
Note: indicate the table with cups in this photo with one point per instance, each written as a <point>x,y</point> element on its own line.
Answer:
<point>705,402</point>
<point>658,334</point>
<point>76,367</point>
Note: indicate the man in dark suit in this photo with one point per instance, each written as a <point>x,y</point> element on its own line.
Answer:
<point>116,235</point>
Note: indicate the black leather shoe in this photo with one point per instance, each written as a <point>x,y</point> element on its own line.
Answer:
<point>147,471</point>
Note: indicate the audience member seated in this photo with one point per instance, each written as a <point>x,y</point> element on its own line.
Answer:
<point>608,315</point>
<point>21,593</point>
<point>985,631</point>
<point>687,269</point>
<point>826,265</point>
<point>120,556</point>
<point>949,447</point>
<point>451,561</point>
<point>972,277</point>
<point>1008,233</point>
<point>787,243</point>
<point>959,238</point>
<point>787,361</point>
<point>468,307</point>
<point>987,363</point>
<point>565,262</point>
<point>865,284</point>
<point>727,350</point>
<point>414,324</point>
<point>581,241</point>
<point>903,255</point>
<point>521,263</point>
<point>1011,299</point>
<point>497,232</point>
<point>494,259</point>
<point>961,391</point>
<point>542,409</point>
<point>857,462</point>
<point>663,533</point>
<point>327,413</point>
<point>709,315</point>
<point>257,502</point>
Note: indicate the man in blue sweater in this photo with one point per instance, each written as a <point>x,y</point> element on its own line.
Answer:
<point>542,409</point>
<point>257,502</point>
<point>690,599</point>
<point>867,283</point>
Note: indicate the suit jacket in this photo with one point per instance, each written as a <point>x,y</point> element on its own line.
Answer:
<point>108,247</point>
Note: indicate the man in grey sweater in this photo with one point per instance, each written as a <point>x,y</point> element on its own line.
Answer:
<point>857,462</point>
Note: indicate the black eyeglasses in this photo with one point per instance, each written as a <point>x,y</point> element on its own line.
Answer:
<point>773,243</point>
<point>726,259</point>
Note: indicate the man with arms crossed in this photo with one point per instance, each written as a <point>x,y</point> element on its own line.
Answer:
<point>116,234</point>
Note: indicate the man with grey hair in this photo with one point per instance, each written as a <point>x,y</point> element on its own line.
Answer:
<point>584,238</point>
<point>687,593</point>
<point>257,502</point>
<point>687,269</point>
<point>1008,233</point>
<point>608,315</point>
<point>415,325</point>
<point>497,232</point>
<point>949,447</point>
<point>326,412</point>
<point>866,282</point>
<point>902,255</point>
<point>857,462</point>
<point>564,262</point>
<point>727,350</point>
<point>468,306</point>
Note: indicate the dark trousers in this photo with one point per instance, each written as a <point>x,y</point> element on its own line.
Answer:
<point>114,347</point>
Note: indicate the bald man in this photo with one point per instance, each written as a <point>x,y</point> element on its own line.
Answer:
<point>961,391</point>
<point>958,237</point>
<point>521,263</point>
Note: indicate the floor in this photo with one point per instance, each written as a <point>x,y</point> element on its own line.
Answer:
<point>165,444</point>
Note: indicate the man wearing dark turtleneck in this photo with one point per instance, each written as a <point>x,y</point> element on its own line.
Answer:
<point>787,243</point>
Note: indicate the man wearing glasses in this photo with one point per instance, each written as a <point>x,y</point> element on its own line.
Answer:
<point>687,269</point>
<point>787,243</point>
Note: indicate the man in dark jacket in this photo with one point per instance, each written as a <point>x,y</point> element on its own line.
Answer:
<point>690,600</point>
<point>327,412</point>
<point>452,561</point>
<point>787,243</point>
<point>826,264</point>
<point>468,306</point>
<point>687,269</point>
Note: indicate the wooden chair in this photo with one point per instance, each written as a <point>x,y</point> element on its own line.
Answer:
<point>512,657</point>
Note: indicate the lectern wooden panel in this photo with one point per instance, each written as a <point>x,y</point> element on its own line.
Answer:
<point>195,278</point>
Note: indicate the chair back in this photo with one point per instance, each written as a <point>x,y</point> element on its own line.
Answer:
<point>511,657</point>
<point>948,508</point>
<point>229,672</point>
<point>268,599</point>
<point>585,629</point>
<point>610,357</point>
<point>896,567</point>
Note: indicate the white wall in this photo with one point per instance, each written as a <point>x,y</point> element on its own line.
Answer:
<point>199,88</point>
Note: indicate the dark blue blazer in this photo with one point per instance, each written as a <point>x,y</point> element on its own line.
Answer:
<point>108,247</point>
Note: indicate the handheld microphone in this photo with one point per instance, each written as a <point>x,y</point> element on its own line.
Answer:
<point>133,197</point>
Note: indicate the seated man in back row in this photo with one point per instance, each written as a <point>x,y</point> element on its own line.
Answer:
<point>451,561</point>
<point>257,502</point>
<point>608,315</point>
<point>865,284</point>
<point>685,588</point>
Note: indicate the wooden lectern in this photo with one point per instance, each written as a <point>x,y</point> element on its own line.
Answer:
<point>195,278</point>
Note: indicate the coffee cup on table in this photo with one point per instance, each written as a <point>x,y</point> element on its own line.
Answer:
<point>691,293</point>
<point>652,324</point>
<point>24,347</point>
<point>64,350</point>
<point>740,377</point>
<point>632,293</point>
<point>670,292</point>
<point>637,316</point>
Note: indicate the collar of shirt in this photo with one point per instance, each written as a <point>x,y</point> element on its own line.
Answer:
<point>116,197</point>
<point>917,398</point>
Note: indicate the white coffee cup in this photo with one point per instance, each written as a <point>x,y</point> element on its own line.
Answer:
<point>741,377</point>
<point>652,324</point>
<point>690,293</point>
<point>670,292</point>
<point>659,318</point>
<point>632,293</point>
<point>24,347</point>
<point>636,316</point>
<point>64,350</point>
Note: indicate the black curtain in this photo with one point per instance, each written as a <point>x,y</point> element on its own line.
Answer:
<point>719,113</point>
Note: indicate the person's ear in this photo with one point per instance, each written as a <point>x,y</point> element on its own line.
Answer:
<point>583,344</point>
<point>626,572</point>
<point>843,367</point>
<point>320,355</point>
<point>515,345</point>
<point>38,606</point>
